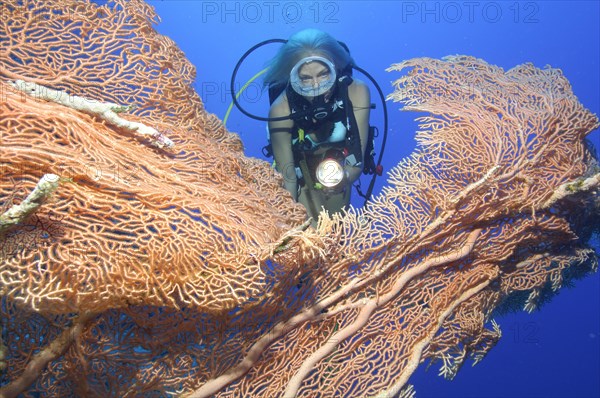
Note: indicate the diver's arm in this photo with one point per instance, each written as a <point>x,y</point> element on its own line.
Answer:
<point>281,141</point>
<point>361,104</point>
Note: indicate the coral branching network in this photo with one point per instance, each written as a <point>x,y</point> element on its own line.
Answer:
<point>142,254</point>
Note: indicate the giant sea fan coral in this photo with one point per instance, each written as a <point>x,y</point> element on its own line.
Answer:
<point>156,271</point>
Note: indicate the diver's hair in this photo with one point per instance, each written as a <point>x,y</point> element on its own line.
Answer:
<point>303,44</point>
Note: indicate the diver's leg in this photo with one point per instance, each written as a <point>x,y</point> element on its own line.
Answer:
<point>312,201</point>
<point>336,202</point>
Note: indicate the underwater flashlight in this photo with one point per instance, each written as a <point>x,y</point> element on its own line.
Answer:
<point>330,172</point>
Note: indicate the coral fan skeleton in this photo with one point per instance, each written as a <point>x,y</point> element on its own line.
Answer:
<point>141,254</point>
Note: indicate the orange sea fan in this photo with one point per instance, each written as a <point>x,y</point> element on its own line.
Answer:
<point>170,264</point>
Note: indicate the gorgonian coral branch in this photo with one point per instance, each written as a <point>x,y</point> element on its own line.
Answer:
<point>105,111</point>
<point>18,213</point>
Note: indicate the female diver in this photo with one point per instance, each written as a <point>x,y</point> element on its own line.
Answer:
<point>320,149</point>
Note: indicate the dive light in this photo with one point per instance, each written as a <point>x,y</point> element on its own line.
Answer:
<point>330,172</point>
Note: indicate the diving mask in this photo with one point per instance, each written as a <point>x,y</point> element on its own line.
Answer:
<point>305,86</point>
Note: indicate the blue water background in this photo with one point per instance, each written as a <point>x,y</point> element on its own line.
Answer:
<point>554,352</point>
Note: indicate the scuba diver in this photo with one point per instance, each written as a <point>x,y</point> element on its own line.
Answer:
<point>321,154</point>
<point>318,123</point>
